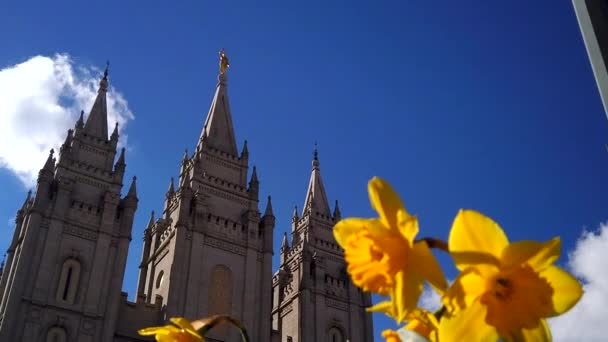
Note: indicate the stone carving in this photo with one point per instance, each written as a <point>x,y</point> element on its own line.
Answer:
<point>336,304</point>
<point>227,246</point>
<point>80,232</point>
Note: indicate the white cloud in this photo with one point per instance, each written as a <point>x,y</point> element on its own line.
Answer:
<point>589,262</point>
<point>40,99</point>
<point>429,299</point>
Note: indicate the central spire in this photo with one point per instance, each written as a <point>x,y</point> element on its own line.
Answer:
<point>316,199</point>
<point>218,131</point>
<point>97,122</point>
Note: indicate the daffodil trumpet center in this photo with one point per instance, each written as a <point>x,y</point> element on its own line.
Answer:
<point>502,288</point>
<point>374,260</point>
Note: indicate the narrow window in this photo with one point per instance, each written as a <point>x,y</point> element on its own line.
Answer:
<point>68,281</point>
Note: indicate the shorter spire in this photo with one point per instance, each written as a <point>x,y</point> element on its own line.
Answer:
<point>121,158</point>
<point>68,139</point>
<point>294,217</point>
<point>254,176</point>
<point>171,189</point>
<point>337,214</point>
<point>285,243</point>
<point>186,158</point>
<point>268,211</point>
<point>50,162</point>
<point>115,132</point>
<point>151,221</point>
<point>133,188</point>
<point>80,122</point>
<point>245,151</point>
<point>27,200</point>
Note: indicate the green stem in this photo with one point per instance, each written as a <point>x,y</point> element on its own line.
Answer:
<point>435,243</point>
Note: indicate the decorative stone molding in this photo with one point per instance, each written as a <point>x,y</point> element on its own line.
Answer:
<point>336,304</point>
<point>227,246</point>
<point>80,232</point>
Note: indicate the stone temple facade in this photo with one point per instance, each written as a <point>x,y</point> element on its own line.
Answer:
<point>209,251</point>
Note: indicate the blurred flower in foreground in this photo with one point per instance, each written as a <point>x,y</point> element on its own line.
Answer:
<point>382,256</point>
<point>424,323</point>
<point>184,332</point>
<point>505,290</point>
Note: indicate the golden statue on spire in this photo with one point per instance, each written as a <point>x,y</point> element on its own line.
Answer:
<point>224,63</point>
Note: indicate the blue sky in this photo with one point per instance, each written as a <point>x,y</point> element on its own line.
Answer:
<point>484,105</point>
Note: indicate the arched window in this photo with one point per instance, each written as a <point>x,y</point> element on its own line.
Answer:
<point>159,279</point>
<point>56,334</point>
<point>68,281</point>
<point>335,335</point>
<point>220,293</point>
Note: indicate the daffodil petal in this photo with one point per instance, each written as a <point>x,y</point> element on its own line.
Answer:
<point>474,232</point>
<point>347,227</point>
<point>408,225</point>
<point>182,323</point>
<point>546,256</point>
<point>386,307</point>
<point>519,252</point>
<point>158,330</point>
<point>540,333</point>
<point>425,264</point>
<point>408,287</point>
<point>467,325</point>
<point>385,201</point>
<point>567,291</point>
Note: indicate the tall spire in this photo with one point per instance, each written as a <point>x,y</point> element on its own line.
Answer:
<point>97,122</point>
<point>316,200</point>
<point>218,130</point>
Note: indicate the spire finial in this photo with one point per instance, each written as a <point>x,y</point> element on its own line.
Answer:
<point>224,63</point>
<point>105,72</point>
<point>316,152</point>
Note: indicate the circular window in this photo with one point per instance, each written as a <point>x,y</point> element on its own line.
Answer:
<point>159,279</point>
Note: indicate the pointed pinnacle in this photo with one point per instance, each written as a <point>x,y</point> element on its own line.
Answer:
<point>133,189</point>
<point>254,175</point>
<point>186,158</point>
<point>115,132</point>
<point>50,162</point>
<point>337,213</point>
<point>121,158</point>
<point>27,199</point>
<point>171,187</point>
<point>80,121</point>
<point>285,243</point>
<point>268,211</point>
<point>151,221</point>
<point>316,152</point>
<point>295,217</point>
<point>245,149</point>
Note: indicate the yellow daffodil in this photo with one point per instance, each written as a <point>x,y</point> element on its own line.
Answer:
<point>391,336</point>
<point>505,290</point>
<point>382,256</point>
<point>182,332</point>
<point>424,323</point>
